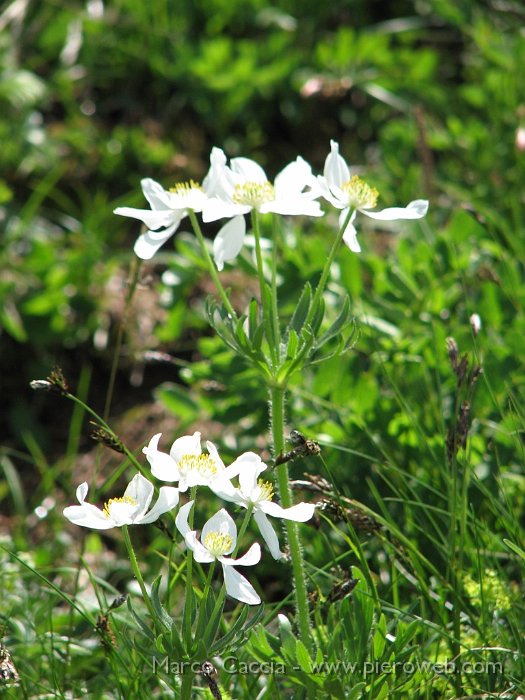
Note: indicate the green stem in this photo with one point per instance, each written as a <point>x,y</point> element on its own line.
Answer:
<point>145,472</point>
<point>188,602</point>
<point>138,575</point>
<point>211,265</point>
<point>242,529</point>
<point>327,266</point>
<point>275,312</point>
<point>267,310</point>
<point>187,684</point>
<point>207,586</point>
<point>294,543</point>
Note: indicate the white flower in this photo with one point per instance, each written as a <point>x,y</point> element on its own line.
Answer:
<point>130,509</point>
<point>219,538</point>
<point>256,493</point>
<point>346,193</point>
<point>236,190</point>
<point>168,208</point>
<point>186,462</point>
<point>475,323</point>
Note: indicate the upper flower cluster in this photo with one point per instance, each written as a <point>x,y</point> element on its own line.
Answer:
<point>189,466</point>
<point>231,191</point>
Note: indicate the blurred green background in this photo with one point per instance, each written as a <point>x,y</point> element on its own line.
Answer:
<point>427,97</point>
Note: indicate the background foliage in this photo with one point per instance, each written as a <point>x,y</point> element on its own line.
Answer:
<point>428,99</point>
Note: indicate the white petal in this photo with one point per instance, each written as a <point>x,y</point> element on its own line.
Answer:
<point>186,445</point>
<point>350,234</point>
<point>336,198</point>
<point>336,170</point>
<point>200,553</point>
<point>214,454</point>
<point>219,181</point>
<point>268,534</point>
<point>249,473</point>
<point>248,169</point>
<point>181,521</point>
<point>238,587</point>
<point>122,513</point>
<point>229,241</point>
<point>293,179</point>
<point>221,522</point>
<point>252,556</point>
<point>238,465</point>
<point>216,208</point>
<point>87,515</point>
<point>167,500</point>
<point>300,206</point>
<point>223,488</point>
<point>153,219</point>
<point>141,491</point>
<point>157,196</point>
<point>249,461</point>
<point>82,492</point>
<point>148,243</point>
<point>414,210</point>
<point>301,512</point>
<point>163,467</point>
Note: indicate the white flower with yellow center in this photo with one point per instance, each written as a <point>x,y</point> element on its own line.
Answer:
<point>168,208</point>
<point>258,494</point>
<point>352,193</point>
<point>244,186</point>
<point>130,509</point>
<point>218,539</point>
<point>186,462</point>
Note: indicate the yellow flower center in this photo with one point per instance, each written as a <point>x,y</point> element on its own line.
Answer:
<point>360,195</point>
<point>266,490</point>
<point>253,194</point>
<point>125,499</point>
<point>218,543</point>
<point>203,464</point>
<point>183,188</point>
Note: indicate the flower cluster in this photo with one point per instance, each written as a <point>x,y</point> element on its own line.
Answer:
<point>231,191</point>
<point>190,467</point>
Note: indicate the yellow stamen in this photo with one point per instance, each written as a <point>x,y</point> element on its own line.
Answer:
<point>253,194</point>
<point>266,490</point>
<point>203,464</point>
<point>185,187</point>
<point>218,543</point>
<point>360,195</point>
<point>125,499</point>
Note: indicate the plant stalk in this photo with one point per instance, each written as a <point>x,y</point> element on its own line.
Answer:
<point>301,592</point>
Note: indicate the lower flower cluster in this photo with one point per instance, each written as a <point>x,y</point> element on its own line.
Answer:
<point>190,467</point>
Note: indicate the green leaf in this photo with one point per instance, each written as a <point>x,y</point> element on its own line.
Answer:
<point>514,547</point>
<point>303,657</point>
<point>318,315</point>
<point>379,640</point>
<point>144,627</point>
<point>293,344</point>
<point>301,310</point>
<point>10,319</point>
<point>338,325</point>
<point>253,318</point>
<point>161,613</point>
<point>356,692</point>
<point>288,640</point>
<point>241,337</point>
<point>178,400</point>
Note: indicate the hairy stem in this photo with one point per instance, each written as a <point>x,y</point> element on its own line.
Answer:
<point>301,593</point>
